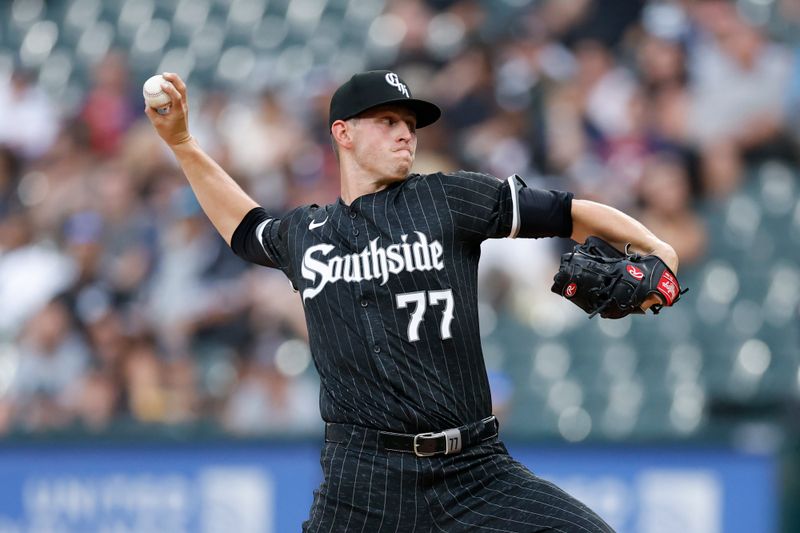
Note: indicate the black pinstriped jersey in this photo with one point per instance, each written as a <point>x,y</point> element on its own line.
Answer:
<point>389,287</point>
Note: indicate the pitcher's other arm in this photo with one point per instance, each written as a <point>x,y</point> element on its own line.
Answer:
<point>612,225</point>
<point>592,218</point>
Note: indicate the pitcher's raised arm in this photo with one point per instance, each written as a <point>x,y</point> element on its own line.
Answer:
<point>222,199</point>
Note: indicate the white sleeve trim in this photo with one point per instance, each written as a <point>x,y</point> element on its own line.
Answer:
<point>514,207</point>
<point>260,234</point>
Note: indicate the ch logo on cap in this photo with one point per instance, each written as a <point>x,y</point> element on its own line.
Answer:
<point>394,80</point>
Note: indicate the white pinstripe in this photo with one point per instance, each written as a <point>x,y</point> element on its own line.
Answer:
<point>353,499</point>
<point>472,190</point>
<point>513,489</point>
<point>447,513</point>
<point>475,480</point>
<point>400,510</point>
<point>386,496</point>
<point>468,274</point>
<point>525,478</point>
<point>433,336</point>
<point>514,207</point>
<point>377,359</point>
<point>516,496</point>
<point>395,315</point>
<point>461,295</point>
<point>432,370</point>
<point>566,501</point>
<point>323,326</point>
<point>448,283</point>
<point>324,491</point>
<point>415,287</point>
<point>338,490</point>
<point>318,495</point>
<point>341,380</point>
<point>407,360</point>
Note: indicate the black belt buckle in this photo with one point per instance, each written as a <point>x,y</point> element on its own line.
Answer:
<point>452,442</point>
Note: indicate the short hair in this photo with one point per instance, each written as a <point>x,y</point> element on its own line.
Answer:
<point>334,144</point>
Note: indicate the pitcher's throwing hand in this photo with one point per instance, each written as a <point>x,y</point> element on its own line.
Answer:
<point>172,125</point>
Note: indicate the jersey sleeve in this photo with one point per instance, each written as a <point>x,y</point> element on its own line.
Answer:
<point>485,207</point>
<point>539,213</point>
<point>259,239</point>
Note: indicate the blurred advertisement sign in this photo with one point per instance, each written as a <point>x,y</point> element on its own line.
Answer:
<point>268,488</point>
<point>689,501</point>
<point>240,499</point>
<point>640,489</point>
<point>214,489</point>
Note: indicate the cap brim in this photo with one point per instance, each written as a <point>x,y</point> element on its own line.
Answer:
<point>426,112</point>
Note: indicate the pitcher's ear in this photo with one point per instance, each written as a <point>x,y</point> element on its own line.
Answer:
<point>340,131</point>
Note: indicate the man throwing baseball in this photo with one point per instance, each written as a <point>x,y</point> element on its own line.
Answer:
<point>387,276</point>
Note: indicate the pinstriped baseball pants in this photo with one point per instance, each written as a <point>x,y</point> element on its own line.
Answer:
<point>482,489</point>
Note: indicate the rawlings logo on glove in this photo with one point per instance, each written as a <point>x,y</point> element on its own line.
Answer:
<point>600,279</point>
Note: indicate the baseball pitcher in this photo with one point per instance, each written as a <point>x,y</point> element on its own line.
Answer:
<point>387,276</point>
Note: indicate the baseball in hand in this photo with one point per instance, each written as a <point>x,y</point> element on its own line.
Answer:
<point>154,95</point>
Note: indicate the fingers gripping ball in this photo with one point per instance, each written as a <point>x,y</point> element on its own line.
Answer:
<point>154,95</point>
<point>600,279</point>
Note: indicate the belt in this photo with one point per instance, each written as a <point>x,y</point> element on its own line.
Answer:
<point>447,442</point>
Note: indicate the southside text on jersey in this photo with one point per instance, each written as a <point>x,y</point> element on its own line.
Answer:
<point>374,262</point>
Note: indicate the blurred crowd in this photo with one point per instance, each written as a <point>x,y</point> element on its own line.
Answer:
<point>120,304</point>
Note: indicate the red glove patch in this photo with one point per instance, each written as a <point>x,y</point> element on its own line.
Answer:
<point>668,287</point>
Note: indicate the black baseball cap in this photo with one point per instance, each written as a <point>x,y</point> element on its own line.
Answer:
<point>378,87</point>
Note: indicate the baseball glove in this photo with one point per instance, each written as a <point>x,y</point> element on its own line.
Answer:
<point>600,279</point>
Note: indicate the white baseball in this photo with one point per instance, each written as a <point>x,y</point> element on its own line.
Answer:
<point>154,95</point>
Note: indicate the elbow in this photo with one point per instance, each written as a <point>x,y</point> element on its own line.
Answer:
<point>583,212</point>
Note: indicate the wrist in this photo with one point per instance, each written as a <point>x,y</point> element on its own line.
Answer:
<point>186,143</point>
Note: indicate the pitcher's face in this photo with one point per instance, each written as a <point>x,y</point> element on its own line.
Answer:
<point>385,141</point>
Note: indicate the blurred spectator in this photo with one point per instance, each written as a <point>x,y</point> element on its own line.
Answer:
<point>96,400</point>
<point>465,89</point>
<point>608,133</point>
<point>260,138</point>
<point>659,106</point>
<point>740,85</point>
<point>266,400</point>
<point>144,382</point>
<point>28,120</point>
<point>415,17</point>
<point>665,194</point>
<point>107,333</point>
<point>182,391</point>
<point>208,126</point>
<point>82,232</point>
<point>56,185</point>
<point>128,236</point>
<point>9,178</point>
<point>661,61</point>
<point>606,89</point>
<point>32,271</point>
<point>195,283</point>
<point>110,107</point>
<point>6,414</point>
<point>52,360</point>
<point>663,74</point>
<point>606,21</point>
<point>559,18</point>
